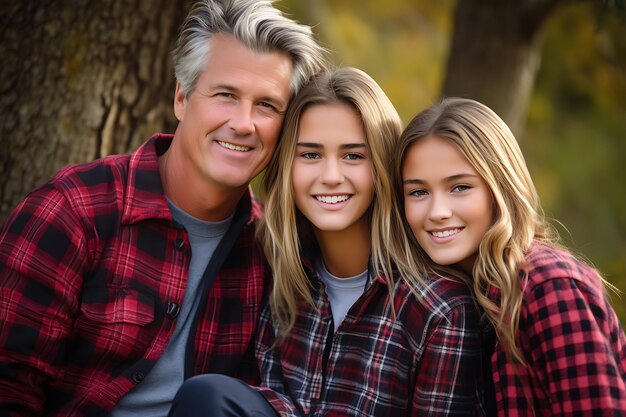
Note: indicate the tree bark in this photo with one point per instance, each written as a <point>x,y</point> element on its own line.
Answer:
<point>496,52</point>
<point>80,80</point>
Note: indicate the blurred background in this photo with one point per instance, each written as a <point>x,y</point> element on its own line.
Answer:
<point>83,79</point>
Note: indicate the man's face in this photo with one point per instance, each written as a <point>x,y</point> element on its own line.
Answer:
<point>229,126</point>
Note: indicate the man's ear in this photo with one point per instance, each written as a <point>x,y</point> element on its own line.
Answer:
<point>179,101</point>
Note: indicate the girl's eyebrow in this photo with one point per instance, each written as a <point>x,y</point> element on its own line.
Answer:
<point>451,178</point>
<point>343,146</point>
<point>309,145</point>
<point>413,181</point>
<point>352,146</point>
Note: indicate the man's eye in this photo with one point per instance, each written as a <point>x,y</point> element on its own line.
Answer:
<point>269,106</point>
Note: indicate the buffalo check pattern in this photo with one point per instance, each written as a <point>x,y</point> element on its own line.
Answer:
<point>572,341</point>
<point>92,274</point>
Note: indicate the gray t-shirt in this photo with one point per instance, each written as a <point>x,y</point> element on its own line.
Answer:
<point>341,292</point>
<point>154,395</point>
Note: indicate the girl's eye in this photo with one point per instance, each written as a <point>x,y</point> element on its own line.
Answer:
<point>309,155</point>
<point>461,187</point>
<point>418,193</point>
<point>354,156</point>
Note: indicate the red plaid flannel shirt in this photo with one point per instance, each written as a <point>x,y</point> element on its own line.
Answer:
<point>425,362</point>
<point>92,273</point>
<point>572,340</point>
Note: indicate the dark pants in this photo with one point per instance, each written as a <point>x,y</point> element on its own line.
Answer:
<point>214,395</point>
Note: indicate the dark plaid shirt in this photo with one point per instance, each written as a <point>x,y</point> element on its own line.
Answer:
<point>424,362</point>
<point>571,339</point>
<point>92,274</point>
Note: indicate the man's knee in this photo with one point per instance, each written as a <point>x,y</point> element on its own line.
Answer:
<point>219,395</point>
<point>208,388</point>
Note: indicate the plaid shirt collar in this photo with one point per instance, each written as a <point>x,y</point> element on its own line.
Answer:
<point>144,197</point>
<point>144,180</point>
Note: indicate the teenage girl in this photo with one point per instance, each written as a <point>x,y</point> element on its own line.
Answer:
<point>474,213</point>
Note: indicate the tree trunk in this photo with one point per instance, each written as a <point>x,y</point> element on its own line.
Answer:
<point>496,52</point>
<point>80,80</point>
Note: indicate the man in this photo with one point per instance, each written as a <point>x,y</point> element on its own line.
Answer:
<point>103,308</point>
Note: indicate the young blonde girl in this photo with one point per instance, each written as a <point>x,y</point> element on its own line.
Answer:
<point>474,212</point>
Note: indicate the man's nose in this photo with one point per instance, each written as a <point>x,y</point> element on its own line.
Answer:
<point>241,120</point>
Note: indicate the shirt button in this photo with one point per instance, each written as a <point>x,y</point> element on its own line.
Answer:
<point>173,309</point>
<point>138,377</point>
<point>180,244</point>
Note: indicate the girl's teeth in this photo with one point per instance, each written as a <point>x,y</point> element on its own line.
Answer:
<point>446,233</point>
<point>332,199</point>
<point>234,147</point>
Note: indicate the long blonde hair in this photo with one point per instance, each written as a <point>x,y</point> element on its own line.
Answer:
<point>284,231</point>
<point>490,147</point>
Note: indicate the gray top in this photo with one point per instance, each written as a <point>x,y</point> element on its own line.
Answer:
<point>341,292</point>
<point>153,396</point>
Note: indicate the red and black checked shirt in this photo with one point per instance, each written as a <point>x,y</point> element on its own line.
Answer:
<point>426,362</point>
<point>92,273</point>
<point>571,339</point>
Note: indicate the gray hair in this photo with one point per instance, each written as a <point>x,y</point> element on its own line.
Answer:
<point>255,23</point>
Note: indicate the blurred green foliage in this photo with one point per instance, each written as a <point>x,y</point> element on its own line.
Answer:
<point>574,139</point>
<point>574,143</point>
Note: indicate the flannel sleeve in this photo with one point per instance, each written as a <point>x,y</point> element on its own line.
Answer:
<point>272,385</point>
<point>449,379</point>
<point>576,348</point>
<point>42,254</point>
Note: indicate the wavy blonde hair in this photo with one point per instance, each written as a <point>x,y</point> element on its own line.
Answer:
<point>490,147</point>
<point>284,231</point>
